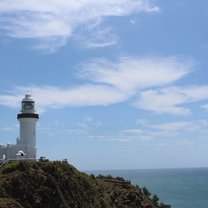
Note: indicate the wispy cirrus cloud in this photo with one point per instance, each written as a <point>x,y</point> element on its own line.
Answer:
<point>205,107</point>
<point>51,21</point>
<point>98,38</point>
<point>165,131</point>
<point>56,97</point>
<point>172,99</point>
<point>132,73</point>
<point>181,126</point>
<point>11,99</point>
<point>105,82</point>
<point>7,128</point>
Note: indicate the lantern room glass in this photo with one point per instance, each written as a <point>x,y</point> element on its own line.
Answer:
<point>28,105</point>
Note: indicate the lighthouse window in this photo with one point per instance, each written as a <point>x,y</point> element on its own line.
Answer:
<point>27,105</point>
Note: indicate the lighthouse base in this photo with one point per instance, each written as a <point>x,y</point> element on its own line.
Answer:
<point>9,152</point>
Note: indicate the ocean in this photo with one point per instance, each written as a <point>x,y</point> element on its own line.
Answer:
<point>181,188</point>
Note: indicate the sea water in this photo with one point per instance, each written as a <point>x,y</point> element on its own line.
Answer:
<point>181,188</point>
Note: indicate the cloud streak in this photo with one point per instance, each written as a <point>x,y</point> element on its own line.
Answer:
<point>108,82</point>
<point>205,107</point>
<point>54,97</point>
<point>132,73</point>
<point>59,19</point>
<point>172,99</point>
<point>166,131</point>
<point>183,126</point>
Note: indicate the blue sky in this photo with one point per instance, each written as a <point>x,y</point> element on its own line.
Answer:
<point>118,84</point>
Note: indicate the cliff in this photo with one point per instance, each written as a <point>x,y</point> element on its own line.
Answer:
<point>59,185</point>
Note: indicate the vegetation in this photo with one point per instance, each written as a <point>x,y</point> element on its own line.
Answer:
<point>146,192</point>
<point>46,184</point>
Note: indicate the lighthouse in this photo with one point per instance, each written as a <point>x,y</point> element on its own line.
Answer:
<point>27,119</point>
<point>25,146</point>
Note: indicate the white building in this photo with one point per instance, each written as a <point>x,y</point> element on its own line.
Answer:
<point>26,142</point>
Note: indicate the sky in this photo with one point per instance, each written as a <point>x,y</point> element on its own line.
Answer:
<point>118,84</point>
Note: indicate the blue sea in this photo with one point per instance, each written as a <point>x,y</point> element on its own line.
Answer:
<point>181,188</point>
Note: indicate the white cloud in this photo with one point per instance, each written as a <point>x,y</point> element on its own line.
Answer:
<point>205,107</point>
<point>132,131</point>
<point>172,99</point>
<point>136,134</point>
<point>132,21</point>
<point>10,100</point>
<point>108,83</point>
<point>117,139</point>
<point>129,74</point>
<point>45,19</point>
<point>180,131</point>
<point>110,138</point>
<point>6,128</point>
<point>55,97</point>
<point>50,45</point>
<point>162,102</point>
<point>165,131</point>
<point>183,126</point>
<point>98,38</point>
<point>88,124</point>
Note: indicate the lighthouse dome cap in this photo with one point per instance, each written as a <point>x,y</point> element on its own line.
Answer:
<point>20,153</point>
<point>27,98</point>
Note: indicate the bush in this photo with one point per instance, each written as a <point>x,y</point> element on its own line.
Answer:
<point>146,192</point>
<point>109,177</point>
<point>155,198</point>
<point>92,176</point>
<point>120,179</point>
<point>10,167</point>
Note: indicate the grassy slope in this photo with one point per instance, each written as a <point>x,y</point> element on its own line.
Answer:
<point>58,184</point>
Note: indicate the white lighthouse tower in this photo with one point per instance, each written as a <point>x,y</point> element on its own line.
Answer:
<point>27,119</point>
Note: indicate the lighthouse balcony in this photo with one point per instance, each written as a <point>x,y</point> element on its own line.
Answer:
<point>27,115</point>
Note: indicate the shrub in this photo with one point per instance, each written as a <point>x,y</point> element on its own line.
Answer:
<point>92,176</point>
<point>120,179</point>
<point>146,192</point>
<point>155,198</point>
